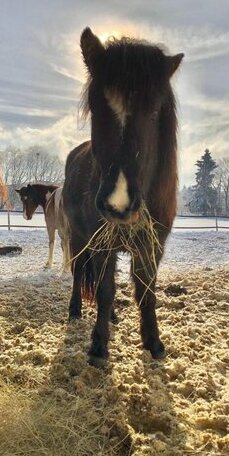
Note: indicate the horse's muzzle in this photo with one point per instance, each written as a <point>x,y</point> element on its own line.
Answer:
<point>112,212</point>
<point>129,216</point>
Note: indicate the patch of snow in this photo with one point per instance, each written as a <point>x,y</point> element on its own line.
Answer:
<point>184,250</point>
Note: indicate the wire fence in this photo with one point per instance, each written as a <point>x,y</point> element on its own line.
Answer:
<point>217,222</point>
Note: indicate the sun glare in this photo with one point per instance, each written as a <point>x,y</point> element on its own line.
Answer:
<point>117,32</point>
<point>105,35</point>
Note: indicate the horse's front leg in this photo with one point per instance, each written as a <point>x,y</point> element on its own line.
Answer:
<point>144,280</point>
<point>105,292</point>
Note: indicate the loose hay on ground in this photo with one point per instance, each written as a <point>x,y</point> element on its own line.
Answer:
<point>54,404</point>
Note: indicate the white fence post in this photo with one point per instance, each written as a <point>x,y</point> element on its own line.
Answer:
<point>216,222</point>
<point>8,220</point>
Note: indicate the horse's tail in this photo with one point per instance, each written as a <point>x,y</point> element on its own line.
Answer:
<point>88,280</point>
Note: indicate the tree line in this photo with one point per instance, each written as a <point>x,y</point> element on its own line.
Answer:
<point>210,194</point>
<point>20,167</point>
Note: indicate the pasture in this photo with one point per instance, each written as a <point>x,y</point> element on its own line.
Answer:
<point>53,403</point>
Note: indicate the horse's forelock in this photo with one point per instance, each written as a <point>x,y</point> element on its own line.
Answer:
<point>129,67</point>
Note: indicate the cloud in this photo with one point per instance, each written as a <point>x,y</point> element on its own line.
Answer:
<point>42,71</point>
<point>208,129</point>
<point>57,139</point>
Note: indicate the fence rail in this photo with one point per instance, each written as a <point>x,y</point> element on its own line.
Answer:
<point>216,225</point>
<point>19,211</point>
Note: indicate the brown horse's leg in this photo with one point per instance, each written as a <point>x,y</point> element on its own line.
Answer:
<point>105,292</point>
<point>75,304</point>
<point>66,257</point>
<point>146,300</point>
<point>51,235</point>
<point>77,265</point>
<point>67,266</point>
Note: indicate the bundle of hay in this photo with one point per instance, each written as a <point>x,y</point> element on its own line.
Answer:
<point>118,237</point>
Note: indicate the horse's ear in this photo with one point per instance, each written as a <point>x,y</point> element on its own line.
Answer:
<point>91,47</point>
<point>17,190</point>
<point>173,63</point>
<point>29,185</point>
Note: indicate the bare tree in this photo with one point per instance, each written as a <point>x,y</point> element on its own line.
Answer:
<point>32,165</point>
<point>43,167</point>
<point>217,185</point>
<point>221,184</point>
<point>13,166</point>
<point>224,166</point>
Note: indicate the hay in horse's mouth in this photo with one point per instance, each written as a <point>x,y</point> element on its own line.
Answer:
<point>134,238</point>
<point>133,218</point>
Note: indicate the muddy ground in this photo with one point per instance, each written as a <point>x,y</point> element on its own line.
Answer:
<point>54,404</point>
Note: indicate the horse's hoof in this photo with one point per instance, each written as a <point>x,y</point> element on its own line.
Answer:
<point>158,351</point>
<point>65,270</point>
<point>156,348</point>
<point>100,363</point>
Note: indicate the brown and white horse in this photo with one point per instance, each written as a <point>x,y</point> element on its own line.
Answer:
<point>49,197</point>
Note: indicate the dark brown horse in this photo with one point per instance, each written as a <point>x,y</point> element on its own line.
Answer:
<point>129,163</point>
<point>49,197</point>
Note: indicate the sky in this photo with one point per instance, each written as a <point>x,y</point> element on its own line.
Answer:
<point>42,71</point>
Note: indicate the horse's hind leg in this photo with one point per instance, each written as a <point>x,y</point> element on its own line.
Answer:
<point>66,254</point>
<point>105,292</point>
<point>146,299</point>
<point>75,305</point>
<point>77,266</point>
<point>51,235</point>
<point>67,266</point>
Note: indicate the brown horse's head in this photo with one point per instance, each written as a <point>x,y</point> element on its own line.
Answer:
<point>29,199</point>
<point>127,94</point>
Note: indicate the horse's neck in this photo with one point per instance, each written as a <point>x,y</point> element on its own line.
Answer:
<point>45,195</point>
<point>53,201</point>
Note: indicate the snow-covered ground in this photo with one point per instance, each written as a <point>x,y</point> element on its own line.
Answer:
<point>181,223</point>
<point>18,219</point>
<point>201,223</point>
<point>184,249</point>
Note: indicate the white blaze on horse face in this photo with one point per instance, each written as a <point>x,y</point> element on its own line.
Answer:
<point>116,103</point>
<point>119,199</point>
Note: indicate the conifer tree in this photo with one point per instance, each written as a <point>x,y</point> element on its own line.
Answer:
<point>205,196</point>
